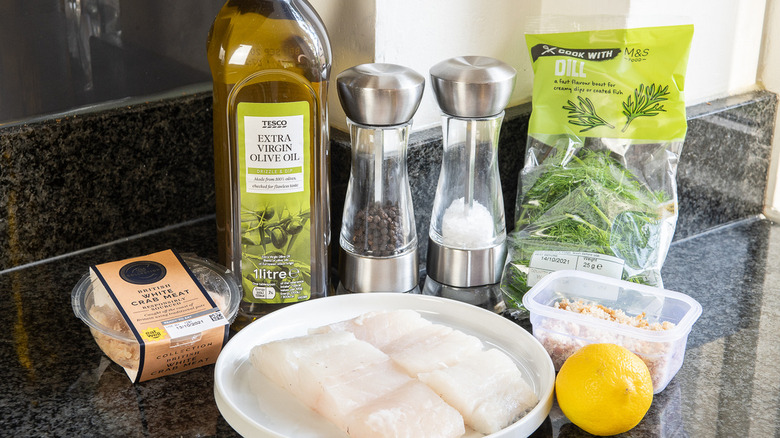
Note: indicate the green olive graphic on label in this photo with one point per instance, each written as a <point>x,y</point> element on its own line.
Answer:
<point>278,237</point>
<point>294,227</point>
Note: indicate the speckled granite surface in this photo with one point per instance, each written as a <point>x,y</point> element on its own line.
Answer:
<point>725,160</point>
<point>76,182</point>
<point>57,197</point>
<point>56,382</point>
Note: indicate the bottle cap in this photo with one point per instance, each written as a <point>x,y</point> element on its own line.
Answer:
<point>472,86</point>
<point>380,94</point>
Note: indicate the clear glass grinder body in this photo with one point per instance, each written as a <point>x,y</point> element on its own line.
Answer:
<point>378,214</point>
<point>468,210</point>
<point>467,235</point>
<point>378,238</point>
<point>270,61</point>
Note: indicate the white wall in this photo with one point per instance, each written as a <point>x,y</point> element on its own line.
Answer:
<point>350,25</point>
<point>724,54</point>
<point>736,43</point>
<point>726,43</point>
<point>461,27</point>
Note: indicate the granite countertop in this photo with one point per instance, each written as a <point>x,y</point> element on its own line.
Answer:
<point>56,381</point>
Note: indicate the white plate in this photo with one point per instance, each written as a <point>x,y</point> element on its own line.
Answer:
<point>254,406</point>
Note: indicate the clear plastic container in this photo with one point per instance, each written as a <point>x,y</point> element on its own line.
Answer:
<point>562,332</point>
<point>113,335</point>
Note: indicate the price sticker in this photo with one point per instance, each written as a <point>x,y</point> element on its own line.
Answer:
<point>545,262</point>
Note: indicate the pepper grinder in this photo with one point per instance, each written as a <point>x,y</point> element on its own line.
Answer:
<point>467,237</point>
<point>378,237</point>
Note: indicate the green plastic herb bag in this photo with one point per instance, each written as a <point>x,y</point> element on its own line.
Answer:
<point>597,192</point>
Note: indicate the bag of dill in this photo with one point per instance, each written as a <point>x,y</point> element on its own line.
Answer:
<point>597,192</point>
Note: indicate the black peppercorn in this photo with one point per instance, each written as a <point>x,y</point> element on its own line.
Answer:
<point>377,230</point>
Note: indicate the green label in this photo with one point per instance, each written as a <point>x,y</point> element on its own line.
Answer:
<point>274,166</point>
<point>622,83</point>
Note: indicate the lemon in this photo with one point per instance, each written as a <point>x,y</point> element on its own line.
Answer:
<point>605,389</point>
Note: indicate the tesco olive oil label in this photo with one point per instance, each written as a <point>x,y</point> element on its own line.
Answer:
<point>177,324</point>
<point>618,83</point>
<point>275,198</point>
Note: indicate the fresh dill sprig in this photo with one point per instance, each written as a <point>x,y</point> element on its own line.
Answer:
<point>584,114</point>
<point>591,204</point>
<point>645,103</point>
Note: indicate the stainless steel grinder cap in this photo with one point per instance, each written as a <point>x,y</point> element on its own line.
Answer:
<point>380,94</point>
<point>472,86</point>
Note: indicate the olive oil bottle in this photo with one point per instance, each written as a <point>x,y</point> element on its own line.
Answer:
<point>271,61</point>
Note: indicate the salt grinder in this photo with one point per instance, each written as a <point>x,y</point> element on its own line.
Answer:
<point>378,237</point>
<point>467,237</point>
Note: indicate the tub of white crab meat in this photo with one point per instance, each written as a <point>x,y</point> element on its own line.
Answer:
<point>158,314</point>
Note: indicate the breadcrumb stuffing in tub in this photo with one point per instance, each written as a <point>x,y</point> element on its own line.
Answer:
<point>562,338</point>
<point>614,315</point>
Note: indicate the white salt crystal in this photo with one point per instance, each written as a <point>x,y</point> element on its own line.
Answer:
<point>467,228</point>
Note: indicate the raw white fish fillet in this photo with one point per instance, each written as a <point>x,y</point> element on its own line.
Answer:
<point>418,379</point>
<point>346,392</point>
<point>412,411</point>
<point>335,374</point>
<point>379,328</point>
<point>301,364</point>
<point>430,348</point>
<point>487,388</point>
